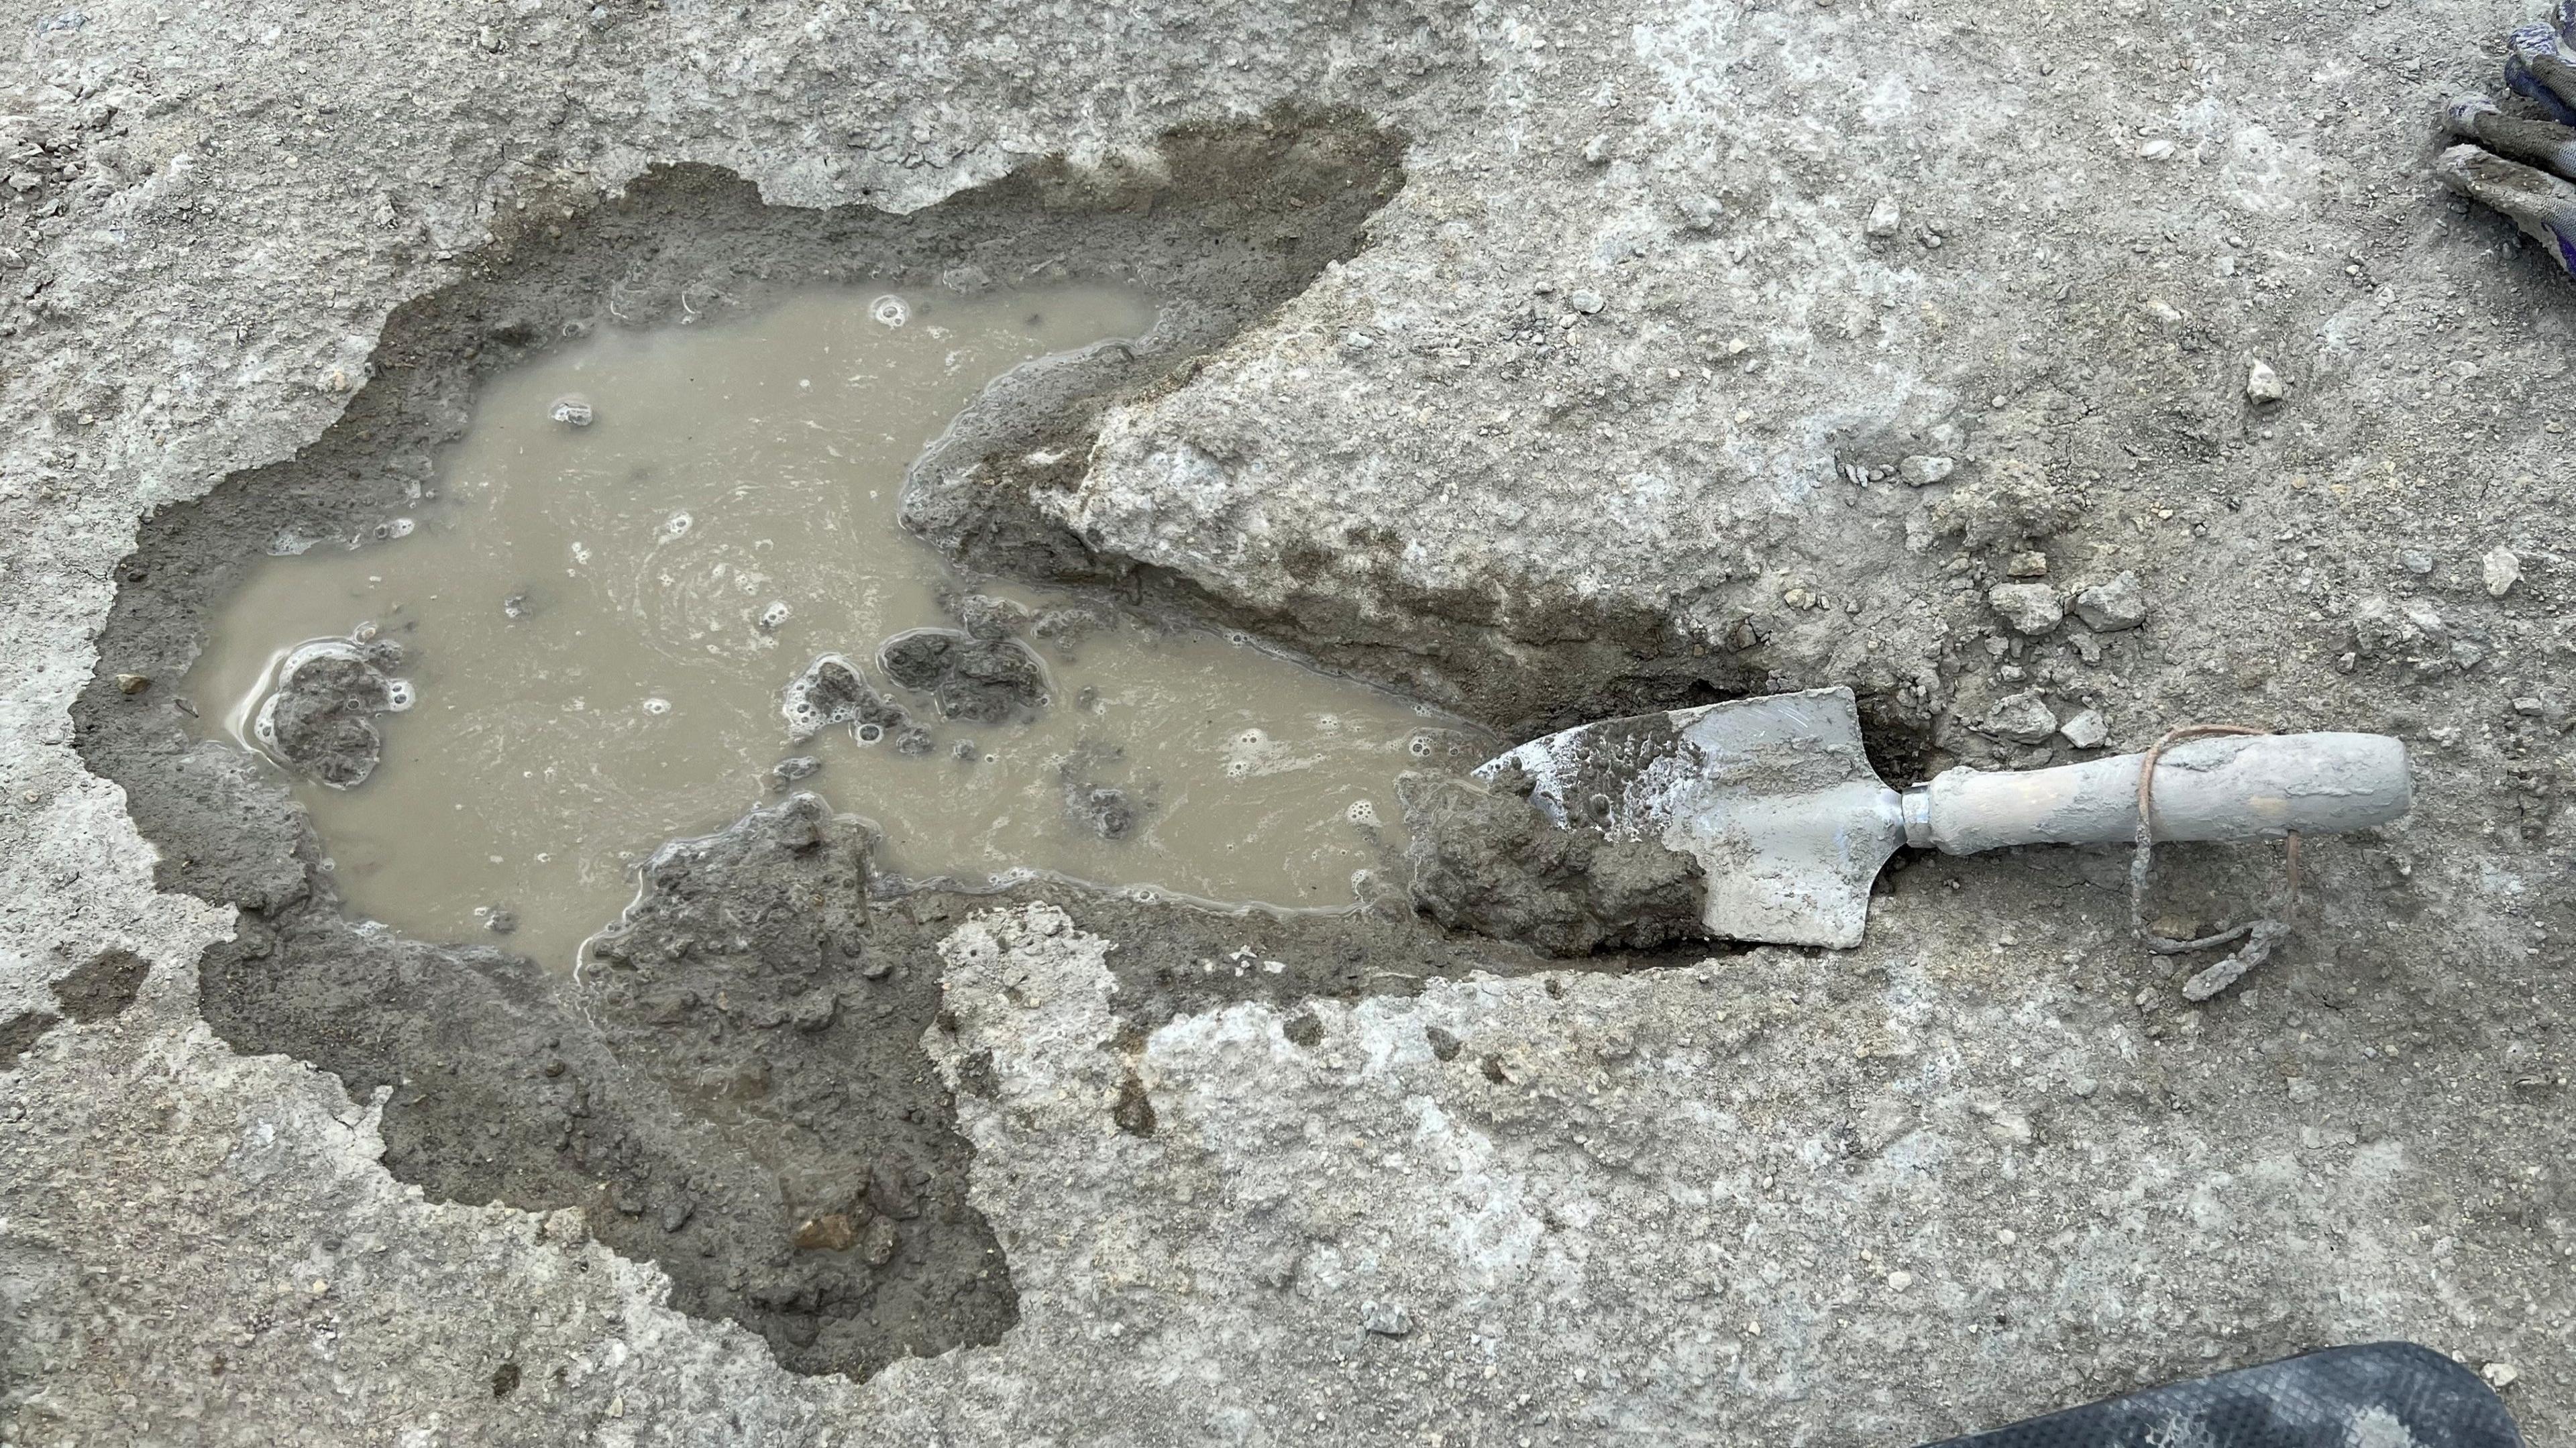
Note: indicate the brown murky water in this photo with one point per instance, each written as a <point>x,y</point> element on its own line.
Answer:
<point>598,623</point>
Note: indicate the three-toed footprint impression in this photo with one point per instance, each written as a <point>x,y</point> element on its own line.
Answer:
<point>661,579</point>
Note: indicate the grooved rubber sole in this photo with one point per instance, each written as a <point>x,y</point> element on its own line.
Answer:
<point>2379,1395</point>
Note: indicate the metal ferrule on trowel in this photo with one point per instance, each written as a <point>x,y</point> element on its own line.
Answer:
<point>1777,801</point>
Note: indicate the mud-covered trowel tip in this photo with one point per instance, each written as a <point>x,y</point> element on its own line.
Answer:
<point>1774,796</point>
<point>1777,801</point>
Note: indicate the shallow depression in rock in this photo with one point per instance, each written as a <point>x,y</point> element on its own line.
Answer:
<point>661,579</point>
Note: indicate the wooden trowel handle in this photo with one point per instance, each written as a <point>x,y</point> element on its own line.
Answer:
<point>2205,789</point>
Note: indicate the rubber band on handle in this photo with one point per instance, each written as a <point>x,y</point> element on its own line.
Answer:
<point>2260,934</point>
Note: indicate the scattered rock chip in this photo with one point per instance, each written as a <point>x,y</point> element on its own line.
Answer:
<point>1924,469</point>
<point>831,1232</point>
<point>2113,606</point>
<point>2023,718</point>
<point>2263,385</point>
<point>1884,217</point>
<point>1702,213</point>
<point>133,683</point>
<point>1587,303</point>
<point>2500,1374</point>
<point>1386,1319</point>
<point>2503,568</point>
<point>2031,608</point>
<point>572,411</point>
<point>2027,565</point>
<point>2011,503</point>
<point>2087,730</point>
<point>882,1238</point>
<point>814,1010</point>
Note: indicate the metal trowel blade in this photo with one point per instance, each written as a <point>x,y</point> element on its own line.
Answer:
<point>1773,796</point>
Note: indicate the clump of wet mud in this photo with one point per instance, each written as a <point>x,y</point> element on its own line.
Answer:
<point>971,679</point>
<point>321,720</point>
<point>1110,811</point>
<point>1483,857</point>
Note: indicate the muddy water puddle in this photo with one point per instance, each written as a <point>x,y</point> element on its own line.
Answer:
<point>660,580</point>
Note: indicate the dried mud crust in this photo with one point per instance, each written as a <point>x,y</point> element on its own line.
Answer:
<point>737,1090</point>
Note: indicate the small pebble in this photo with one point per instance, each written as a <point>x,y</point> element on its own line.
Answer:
<point>1386,1319</point>
<point>1702,213</point>
<point>1597,150</point>
<point>1900,1280</point>
<point>2087,730</point>
<point>571,411</point>
<point>2500,1375</point>
<point>2031,608</point>
<point>2156,148</point>
<point>2503,569</point>
<point>2415,561</point>
<point>1884,217</point>
<point>133,683</point>
<point>2262,384</point>
<point>1588,303</point>
<point>2113,606</point>
<point>2027,565</point>
<point>1923,470</point>
<point>2023,718</point>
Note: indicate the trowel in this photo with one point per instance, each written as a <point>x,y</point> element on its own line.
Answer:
<point>1776,800</point>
